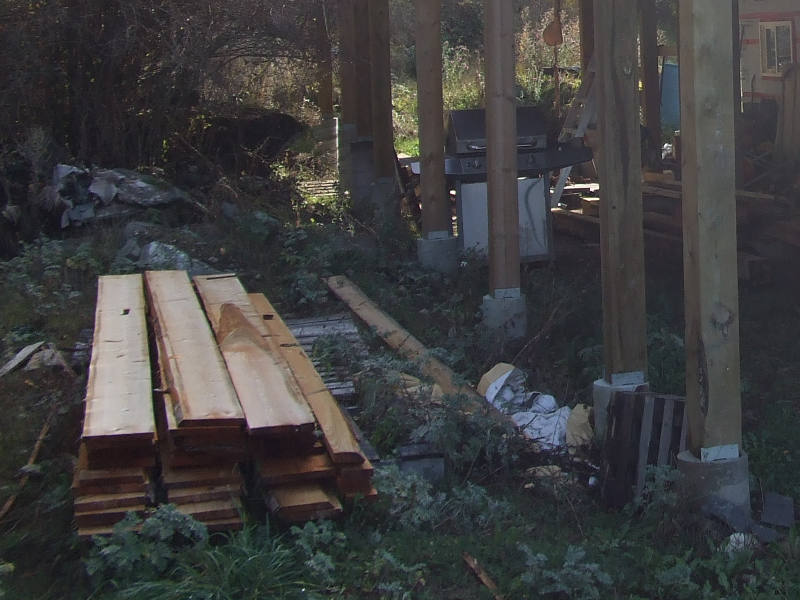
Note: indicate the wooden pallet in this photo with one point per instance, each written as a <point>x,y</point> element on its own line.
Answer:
<point>644,429</point>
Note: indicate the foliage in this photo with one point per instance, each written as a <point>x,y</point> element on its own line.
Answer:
<point>5,570</point>
<point>144,549</point>
<point>314,540</point>
<point>576,578</point>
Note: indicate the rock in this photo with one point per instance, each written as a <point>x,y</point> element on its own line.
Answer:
<point>143,190</point>
<point>131,250</point>
<point>140,231</point>
<point>158,255</point>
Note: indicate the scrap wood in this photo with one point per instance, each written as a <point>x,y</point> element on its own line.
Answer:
<point>397,337</point>
<point>20,358</point>
<point>37,447</point>
<point>338,438</point>
<point>482,575</point>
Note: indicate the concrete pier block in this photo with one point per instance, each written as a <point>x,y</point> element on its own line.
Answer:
<point>438,251</point>
<point>601,395</point>
<point>506,311</point>
<point>719,487</point>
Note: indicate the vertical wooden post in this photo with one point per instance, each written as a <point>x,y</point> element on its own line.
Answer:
<point>586,31</point>
<point>347,72</point>
<point>382,127</point>
<point>621,232</point>
<point>709,225</point>
<point>737,57</point>
<point>648,43</point>
<point>325,65</point>
<point>363,70</point>
<point>501,154</point>
<point>435,207</point>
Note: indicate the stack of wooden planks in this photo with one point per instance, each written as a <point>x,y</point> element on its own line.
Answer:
<point>198,408</point>
<point>234,393</point>
<point>298,474</point>
<point>118,444</point>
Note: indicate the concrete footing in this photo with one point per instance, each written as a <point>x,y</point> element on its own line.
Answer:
<point>720,487</point>
<point>345,134</point>
<point>438,251</point>
<point>384,200</point>
<point>506,312</point>
<point>362,175</point>
<point>601,396</point>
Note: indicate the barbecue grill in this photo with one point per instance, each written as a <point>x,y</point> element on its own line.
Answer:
<point>465,168</point>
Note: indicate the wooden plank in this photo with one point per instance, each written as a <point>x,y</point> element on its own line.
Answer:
<point>277,471</point>
<point>175,479</point>
<point>713,392</point>
<point>119,402</point>
<point>645,435</point>
<point>398,338</point>
<point>338,439</point>
<point>302,501</point>
<point>207,493</point>
<point>273,403</point>
<point>619,165</point>
<point>213,510</point>
<point>86,476</point>
<point>195,372</point>
<point>107,517</point>
<point>383,156</point>
<point>648,46</point>
<point>666,431</point>
<point>98,502</point>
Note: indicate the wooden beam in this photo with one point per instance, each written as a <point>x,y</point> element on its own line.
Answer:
<point>347,52</point>
<point>586,8</point>
<point>382,124</point>
<point>501,152</point>
<point>619,149</point>
<point>325,62</point>
<point>435,200</point>
<point>648,45</point>
<point>709,225</point>
<point>363,70</point>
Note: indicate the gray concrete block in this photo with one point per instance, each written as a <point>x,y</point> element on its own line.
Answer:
<point>438,254</point>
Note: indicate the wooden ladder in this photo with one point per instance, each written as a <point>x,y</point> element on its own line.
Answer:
<point>582,112</point>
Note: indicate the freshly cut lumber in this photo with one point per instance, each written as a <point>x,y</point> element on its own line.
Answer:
<point>111,516</point>
<point>84,533</point>
<point>213,510</point>
<point>175,479</point>
<point>302,501</point>
<point>272,402</point>
<point>98,502</point>
<point>337,437</point>
<point>119,403</point>
<point>277,471</point>
<point>355,480</point>
<point>397,337</point>
<point>365,496</point>
<point>84,476</point>
<point>195,372</point>
<point>207,493</point>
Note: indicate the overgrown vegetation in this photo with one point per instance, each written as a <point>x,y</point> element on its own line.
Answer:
<point>535,537</point>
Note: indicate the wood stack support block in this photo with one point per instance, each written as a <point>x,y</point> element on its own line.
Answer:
<point>232,387</point>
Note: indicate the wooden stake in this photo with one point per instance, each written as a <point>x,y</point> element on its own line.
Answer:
<point>709,225</point>
<point>482,575</point>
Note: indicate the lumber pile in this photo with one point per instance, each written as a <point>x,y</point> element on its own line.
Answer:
<point>232,393</point>
<point>118,444</point>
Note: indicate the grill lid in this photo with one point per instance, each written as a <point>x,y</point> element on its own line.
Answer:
<point>466,130</point>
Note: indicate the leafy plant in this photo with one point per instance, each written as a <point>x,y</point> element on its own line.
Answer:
<point>577,578</point>
<point>143,549</point>
<point>311,540</point>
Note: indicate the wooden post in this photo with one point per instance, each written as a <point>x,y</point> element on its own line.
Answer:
<point>587,31</point>
<point>347,51</point>
<point>501,154</point>
<point>737,57</point>
<point>621,232</point>
<point>648,43</point>
<point>363,70</point>
<point>435,207</point>
<point>325,64</point>
<point>709,225</point>
<point>382,127</point>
